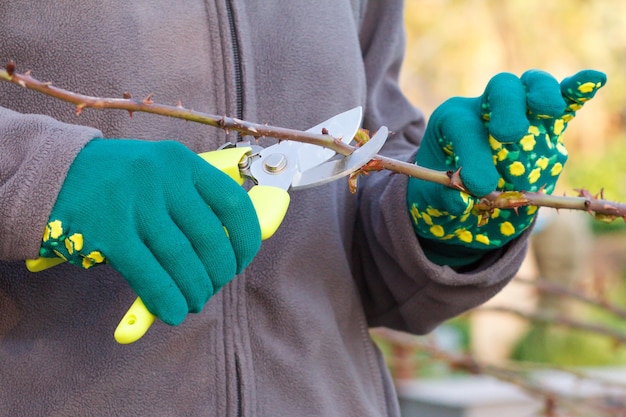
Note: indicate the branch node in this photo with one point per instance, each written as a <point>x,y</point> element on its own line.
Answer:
<point>10,68</point>
<point>455,180</point>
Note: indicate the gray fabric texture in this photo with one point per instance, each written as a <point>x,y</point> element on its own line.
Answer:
<point>289,336</point>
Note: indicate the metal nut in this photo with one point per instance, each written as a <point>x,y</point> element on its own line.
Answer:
<point>275,163</point>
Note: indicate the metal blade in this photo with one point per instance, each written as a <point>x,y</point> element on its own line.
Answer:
<point>280,163</point>
<point>330,171</point>
<point>342,126</point>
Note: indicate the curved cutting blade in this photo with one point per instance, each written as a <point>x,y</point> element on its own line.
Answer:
<point>342,126</point>
<point>332,170</point>
<point>295,157</point>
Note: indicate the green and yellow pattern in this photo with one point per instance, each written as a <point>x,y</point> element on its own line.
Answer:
<point>57,242</point>
<point>531,163</point>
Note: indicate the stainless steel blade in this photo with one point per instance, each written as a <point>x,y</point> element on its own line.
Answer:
<point>332,170</point>
<point>280,163</point>
<point>342,126</point>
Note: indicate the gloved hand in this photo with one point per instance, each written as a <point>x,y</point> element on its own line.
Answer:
<point>174,226</point>
<point>510,138</point>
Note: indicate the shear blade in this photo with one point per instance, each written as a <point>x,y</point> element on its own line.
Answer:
<point>332,170</point>
<point>342,126</point>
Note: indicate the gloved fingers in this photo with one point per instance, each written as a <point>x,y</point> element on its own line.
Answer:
<point>208,238</point>
<point>543,95</point>
<point>233,207</point>
<point>470,145</point>
<point>504,106</point>
<point>176,253</point>
<point>151,282</point>
<point>581,87</point>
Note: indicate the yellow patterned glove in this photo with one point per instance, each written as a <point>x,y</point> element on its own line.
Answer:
<point>510,138</point>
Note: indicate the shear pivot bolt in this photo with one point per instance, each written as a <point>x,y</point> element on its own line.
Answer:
<point>275,163</point>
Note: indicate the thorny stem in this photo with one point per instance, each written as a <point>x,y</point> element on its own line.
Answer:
<point>146,105</point>
<point>603,209</point>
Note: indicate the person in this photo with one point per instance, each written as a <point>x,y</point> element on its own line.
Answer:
<point>278,328</point>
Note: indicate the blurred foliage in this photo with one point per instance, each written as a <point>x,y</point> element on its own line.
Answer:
<point>454,47</point>
<point>603,171</point>
<point>566,347</point>
<point>563,346</point>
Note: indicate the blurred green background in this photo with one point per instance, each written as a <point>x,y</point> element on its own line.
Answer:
<point>454,47</point>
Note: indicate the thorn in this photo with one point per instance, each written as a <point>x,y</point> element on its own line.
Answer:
<point>455,179</point>
<point>127,96</point>
<point>10,68</point>
<point>584,193</point>
<point>180,104</point>
<point>79,109</point>
<point>148,100</point>
<point>27,73</point>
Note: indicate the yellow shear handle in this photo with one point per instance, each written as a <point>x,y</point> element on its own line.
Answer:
<point>270,204</point>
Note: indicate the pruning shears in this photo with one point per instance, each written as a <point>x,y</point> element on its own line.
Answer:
<point>275,170</point>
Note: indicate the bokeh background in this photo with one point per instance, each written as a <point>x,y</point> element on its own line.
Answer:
<point>455,46</point>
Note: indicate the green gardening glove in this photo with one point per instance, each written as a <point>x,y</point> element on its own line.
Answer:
<point>508,139</point>
<point>174,226</point>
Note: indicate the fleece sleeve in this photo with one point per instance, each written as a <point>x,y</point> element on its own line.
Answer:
<point>400,288</point>
<point>36,152</point>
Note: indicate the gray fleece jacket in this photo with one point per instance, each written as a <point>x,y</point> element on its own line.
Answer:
<point>289,336</point>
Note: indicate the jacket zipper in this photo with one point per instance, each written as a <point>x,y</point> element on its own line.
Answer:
<point>238,81</point>
<point>239,386</point>
<point>238,75</point>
